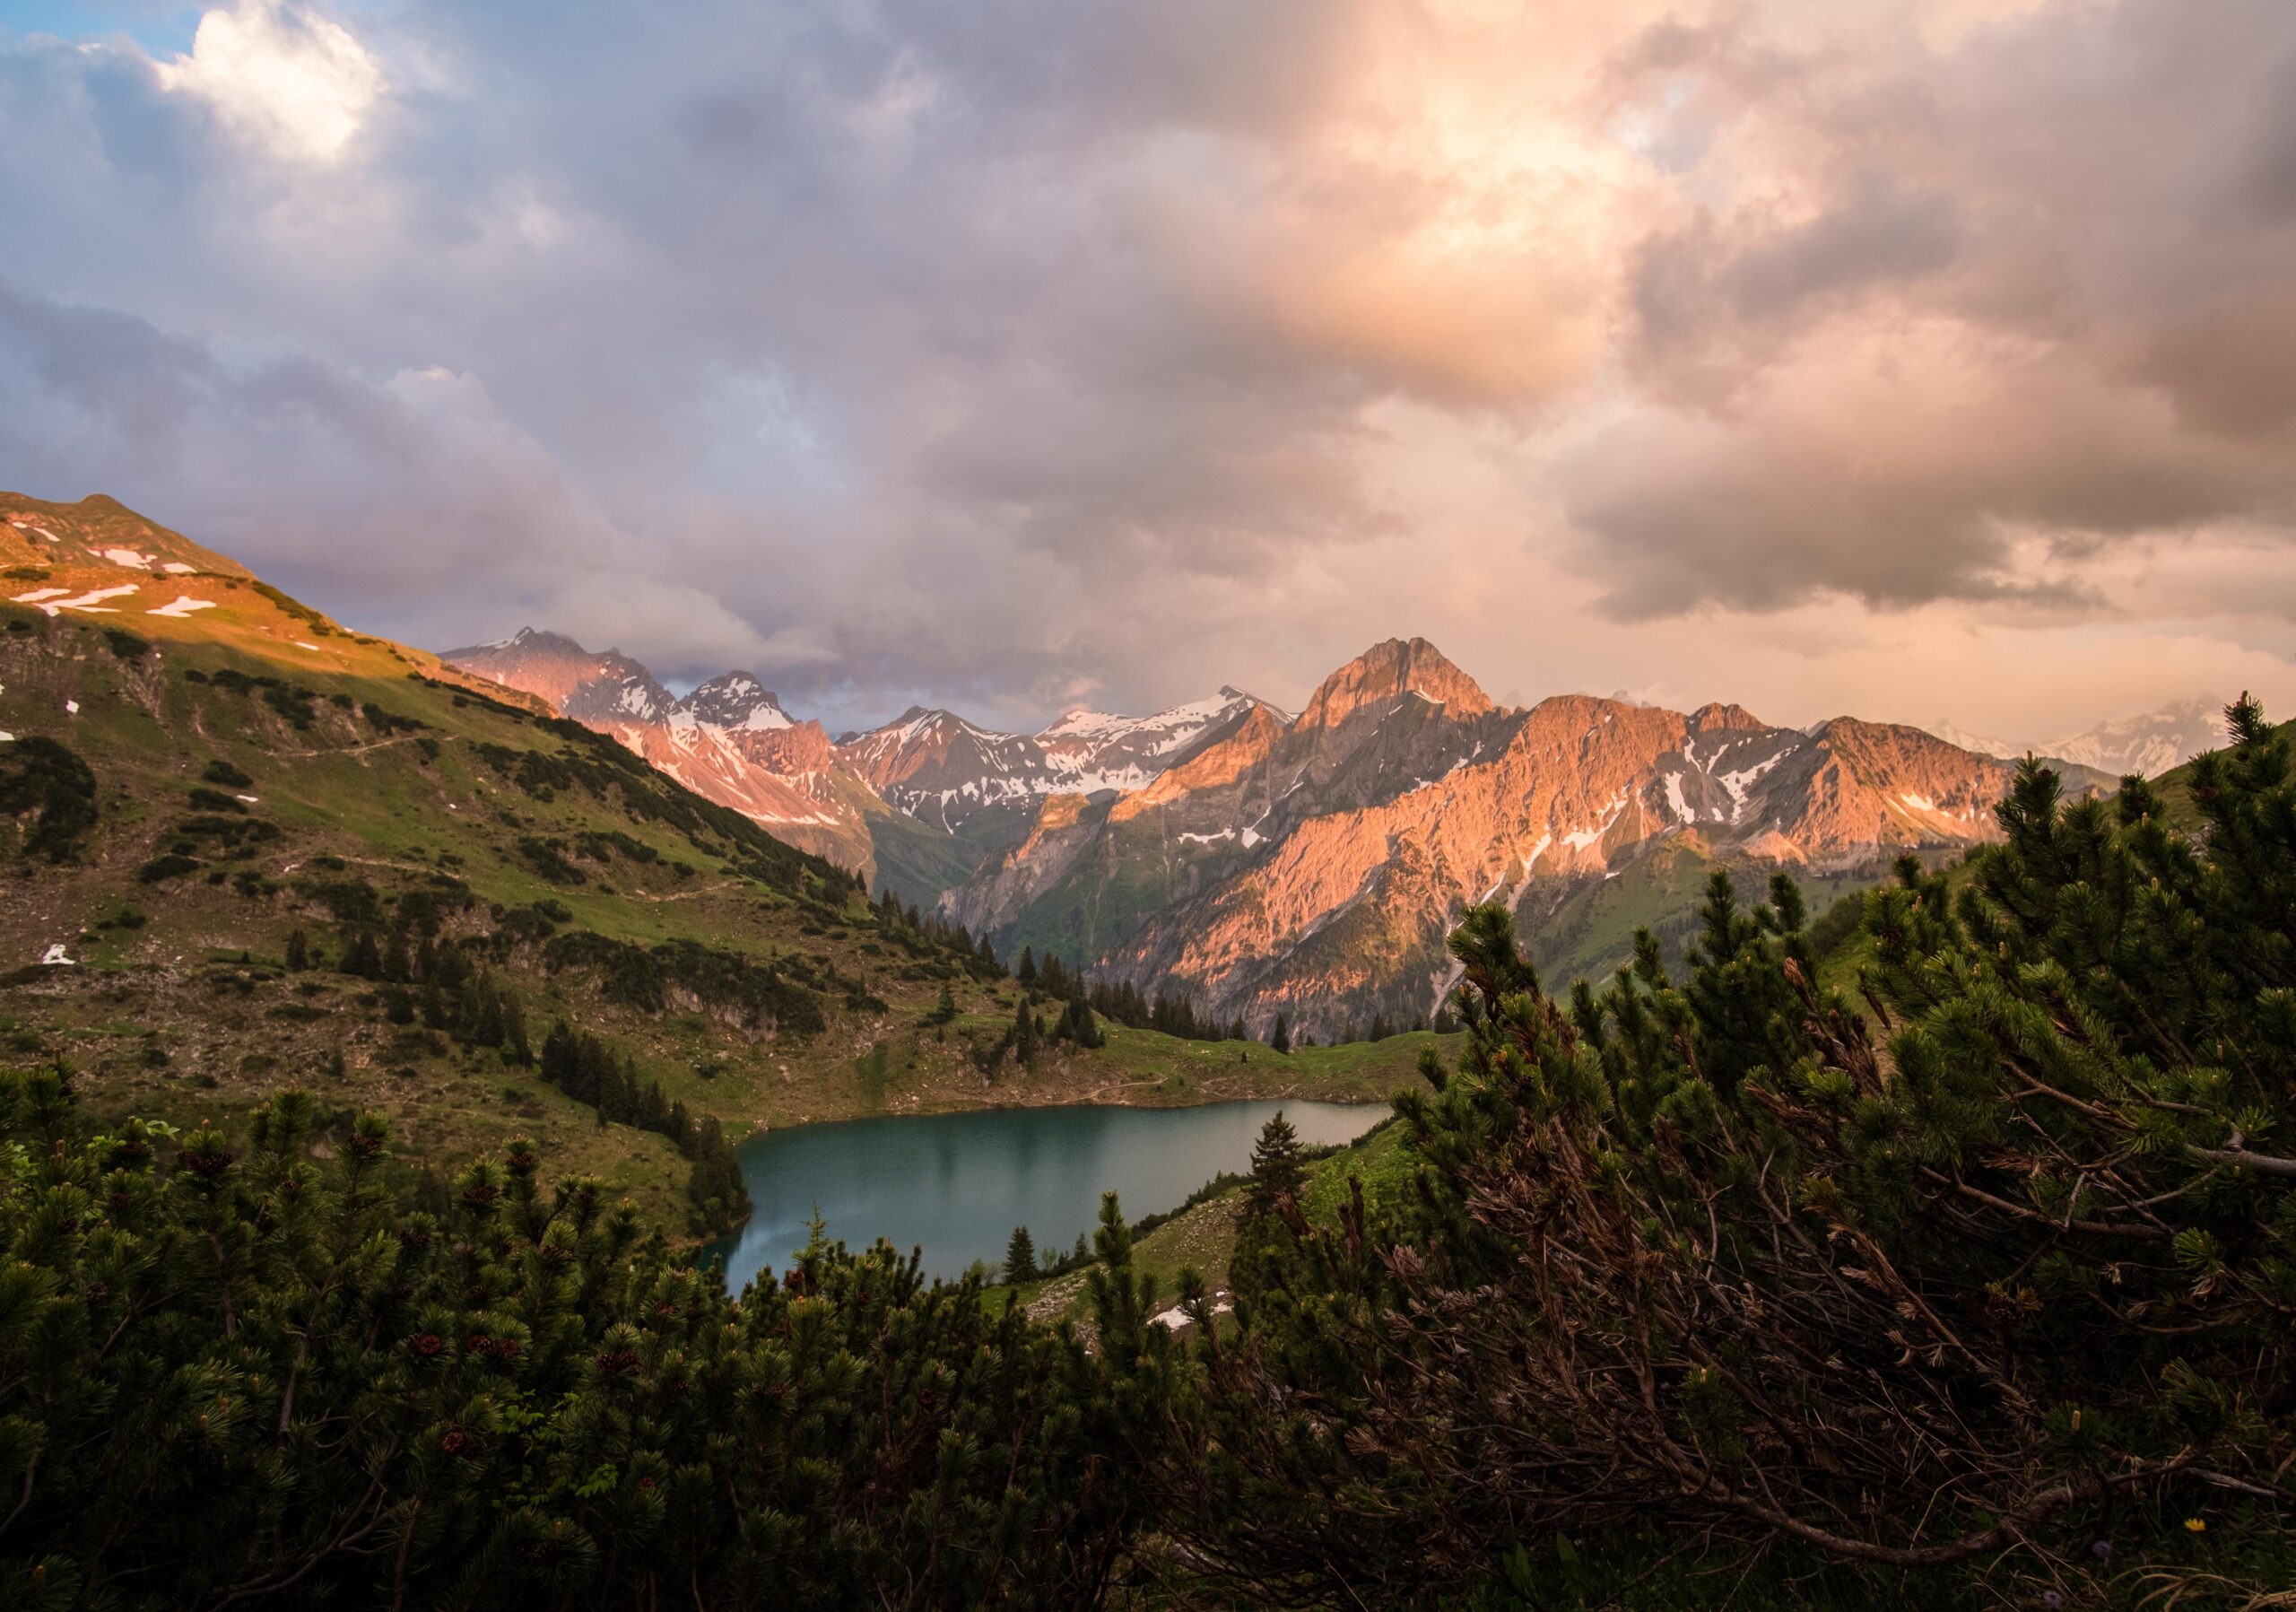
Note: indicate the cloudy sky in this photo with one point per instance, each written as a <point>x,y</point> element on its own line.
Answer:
<point>1923,358</point>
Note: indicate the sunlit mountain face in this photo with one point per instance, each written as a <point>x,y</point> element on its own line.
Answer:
<point>1306,865</point>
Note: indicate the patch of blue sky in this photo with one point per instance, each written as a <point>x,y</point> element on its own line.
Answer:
<point>161,28</point>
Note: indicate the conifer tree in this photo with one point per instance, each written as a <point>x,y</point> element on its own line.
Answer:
<point>1021,1256</point>
<point>944,1007</point>
<point>1282,1038</point>
<point>1277,1167</point>
<point>1077,1026</point>
<point>394,965</point>
<point>361,960</point>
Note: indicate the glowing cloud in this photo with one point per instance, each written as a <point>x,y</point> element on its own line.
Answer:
<point>286,79</point>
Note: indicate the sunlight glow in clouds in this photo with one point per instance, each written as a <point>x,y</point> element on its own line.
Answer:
<point>285,77</point>
<point>1915,358</point>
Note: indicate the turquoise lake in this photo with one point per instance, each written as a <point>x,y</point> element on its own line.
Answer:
<point>956,1185</point>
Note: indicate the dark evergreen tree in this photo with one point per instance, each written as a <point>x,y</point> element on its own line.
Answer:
<point>1282,1038</point>
<point>1278,1168</point>
<point>944,1007</point>
<point>1021,1256</point>
<point>1077,1026</point>
<point>1025,1035</point>
<point>361,960</point>
<point>395,967</point>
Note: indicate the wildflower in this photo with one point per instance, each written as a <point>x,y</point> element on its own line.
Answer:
<point>2102,1549</point>
<point>2052,1598</point>
<point>2195,1525</point>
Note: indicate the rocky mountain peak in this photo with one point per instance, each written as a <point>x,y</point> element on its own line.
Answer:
<point>539,641</point>
<point>1388,671</point>
<point>735,701</point>
<point>603,689</point>
<point>1719,717</point>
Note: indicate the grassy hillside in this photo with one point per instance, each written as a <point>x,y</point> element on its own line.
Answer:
<point>190,801</point>
<point>1585,928</point>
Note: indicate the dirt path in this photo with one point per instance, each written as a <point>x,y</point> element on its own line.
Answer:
<point>404,738</point>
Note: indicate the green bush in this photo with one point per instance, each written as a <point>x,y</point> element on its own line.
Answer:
<point>44,778</point>
<point>169,866</point>
<point>300,1390</point>
<point>1953,1280</point>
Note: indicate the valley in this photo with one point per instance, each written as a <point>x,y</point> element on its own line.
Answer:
<point>248,846</point>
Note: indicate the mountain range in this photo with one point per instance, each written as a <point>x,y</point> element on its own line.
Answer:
<point>246,845</point>
<point>2147,744</point>
<point>1308,866</point>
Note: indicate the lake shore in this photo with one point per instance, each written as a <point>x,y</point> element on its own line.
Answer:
<point>956,1184</point>
<point>910,1073</point>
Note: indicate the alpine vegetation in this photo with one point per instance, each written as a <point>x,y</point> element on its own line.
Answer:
<point>1962,1273</point>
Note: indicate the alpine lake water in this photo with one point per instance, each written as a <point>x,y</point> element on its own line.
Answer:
<point>956,1185</point>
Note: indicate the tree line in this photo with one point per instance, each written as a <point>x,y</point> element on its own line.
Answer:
<point>589,1069</point>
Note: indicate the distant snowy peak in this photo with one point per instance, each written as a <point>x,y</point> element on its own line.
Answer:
<point>1087,752</point>
<point>625,692</point>
<point>1977,743</point>
<point>729,740</point>
<point>605,689</point>
<point>940,769</point>
<point>534,640</point>
<point>2147,744</point>
<point>737,702</point>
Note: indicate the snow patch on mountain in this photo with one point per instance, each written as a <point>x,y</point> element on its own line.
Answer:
<point>183,606</point>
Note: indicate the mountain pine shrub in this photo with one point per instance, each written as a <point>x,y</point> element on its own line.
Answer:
<point>1986,1269</point>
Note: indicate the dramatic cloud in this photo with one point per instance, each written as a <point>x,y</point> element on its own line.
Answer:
<point>1016,352</point>
<point>293,80</point>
